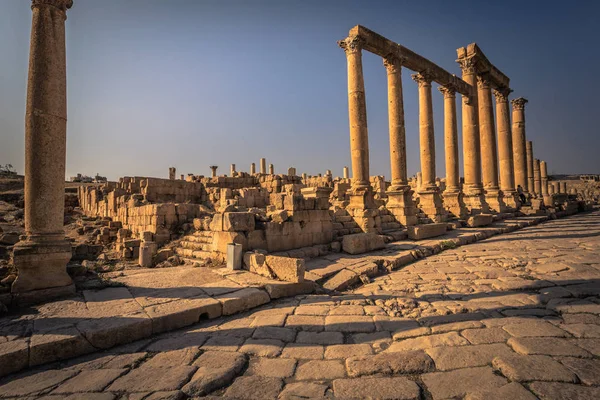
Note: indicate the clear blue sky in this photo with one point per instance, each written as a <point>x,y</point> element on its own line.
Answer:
<point>185,83</point>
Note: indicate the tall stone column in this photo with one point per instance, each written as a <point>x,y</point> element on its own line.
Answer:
<point>544,174</point>
<point>472,188</point>
<point>453,197</point>
<point>530,175</point>
<point>489,149</point>
<point>429,193</point>
<point>563,187</point>
<point>399,194</point>
<point>505,149</point>
<point>361,194</point>
<point>537,178</point>
<point>346,173</point>
<point>252,169</point>
<point>271,169</point>
<point>263,165</point>
<point>213,170</point>
<point>519,143</point>
<point>172,173</point>
<point>232,170</point>
<point>42,256</point>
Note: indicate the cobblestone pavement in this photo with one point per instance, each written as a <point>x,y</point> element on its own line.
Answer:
<point>516,316</point>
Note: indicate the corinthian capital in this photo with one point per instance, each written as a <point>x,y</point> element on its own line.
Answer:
<point>518,104</point>
<point>423,78</point>
<point>501,94</point>
<point>483,81</point>
<point>467,65</point>
<point>60,4</point>
<point>448,91</point>
<point>392,63</point>
<point>352,44</point>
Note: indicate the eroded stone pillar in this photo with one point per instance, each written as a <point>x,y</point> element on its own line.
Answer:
<point>563,187</point>
<point>530,175</point>
<point>519,143</point>
<point>400,202</point>
<point>453,201</point>
<point>544,175</point>
<point>213,169</point>
<point>346,173</point>
<point>505,149</point>
<point>472,188</point>
<point>172,172</point>
<point>489,150</point>
<point>232,170</point>
<point>429,192</point>
<point>252,169</point>
<point>271,169</point>
<point>537,177</point>
<point>42,256</point>
<point>263,165</point>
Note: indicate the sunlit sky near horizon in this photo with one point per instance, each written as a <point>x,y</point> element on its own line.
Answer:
<point>184,83</point>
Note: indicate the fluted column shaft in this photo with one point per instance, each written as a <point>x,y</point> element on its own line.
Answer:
<point>399,177</point>
<point>450,139</point>
<point>544,173</point>
<point>357,110</point>
<point>519,143</point>
<point>505,143</point>
<point>530,162</point>
<point>471,140</point>
<point>426,133</point>
<point>487,129</point>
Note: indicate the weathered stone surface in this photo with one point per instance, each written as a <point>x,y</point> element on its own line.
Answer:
<point>349,323</point>
<point>13,356</point>
<point>376,388</point>
<point>342,280</point>
<point>180,313</point>
<point>262,347</point>
<point>475,221</point>
<point>216,369</point>
<point>254,387</point>
<point>223,343</point>
<point>511,391</point>
<point>529,328</point>
<point>447,358</point>
<point>344,351</point>
<point>318,369</point>
<point>243,300</point>
<point>547,346</point>
<point>272,332</point>
<point>303,351</point>
<point>523,368</point>
<point>172,357</point>
<point>583,330</point>
<point>303,390</point>
<point>588,371</point>
<point>562,391</point>
<point>256,262</point>
<point>425,342</point>
<point>408,362</point>
<point>446,385</point>
<point>420,232</point>
<point>325,338</point>
<point>485,335</point>
<point>305,322</point>
<point>238,221</point>
<point>57,345</point>
<point>286,268</point>
<point>35,383</point>
<point>153,379</point>
<point>359,243</point>
<point>276,368</point>
<point>286,289</point>
<point>105,333</point>
<point>90,381</point>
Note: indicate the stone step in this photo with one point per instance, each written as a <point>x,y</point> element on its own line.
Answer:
<point>198,239</point>
<point>190,253</point>
<point>195,245</point>
<point>390,226</point>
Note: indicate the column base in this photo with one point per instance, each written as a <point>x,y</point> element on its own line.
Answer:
<point>475,202</point>
<point>454,204</point>
<point>495,200</point>
<point>512,200</point>
<point>401,205</point>
<point>363,210</point>
<point>432,206</point>
<point>41,264</point>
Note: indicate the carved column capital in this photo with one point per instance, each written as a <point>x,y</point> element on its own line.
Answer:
<point>467,65</point>
<point>62,5</point>
<point>448,91</point>
<point>518,104</point>
<point>423,78</point>
<point>483,81</point>
<point>392,63</point>
<point>352,44</point>
<point>501,94</point>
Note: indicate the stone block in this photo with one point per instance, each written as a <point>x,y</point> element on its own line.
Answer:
<point>257,240</point>
<point>362,243</point>
<point>287,289</point>
<point>132,243</point>
<point>255,262</point>
<point>286,269</point>
<point>480,220</point>
<point>419,232</point>
<point>238,221</point>
<point>243,300</point>
<point>222,239</point>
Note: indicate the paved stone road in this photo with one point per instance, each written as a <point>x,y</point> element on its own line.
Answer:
<point>516,316</point>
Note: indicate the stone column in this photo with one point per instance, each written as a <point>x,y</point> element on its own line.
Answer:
<point>42,256</point>
<point>563,187</point>
<point>400,202</point>
<point>213,169</point>
<point>346,173</point>
<point>544,174</point>
<point>252,169</point>
<point>472,188</point>
<point>519,143</point>
<point>419,180</point>
<point>232,170</point>
<point>172,172</point>
<point>429,193</point>
<point>489,149</point>
<point>271,169</point>
<point>537,178</point>
<point>182,177</point>
<point>453,201</point>
<point>263,165</point>
<point>530,176</point>
<point>505,149</point>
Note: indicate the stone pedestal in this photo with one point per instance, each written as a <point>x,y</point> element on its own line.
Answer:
<point>363,210</point>
<point>42,256</point>
<point>454,203</point>
<point>430,202</point>
<point>400,203</point>
<point>495,201</point>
